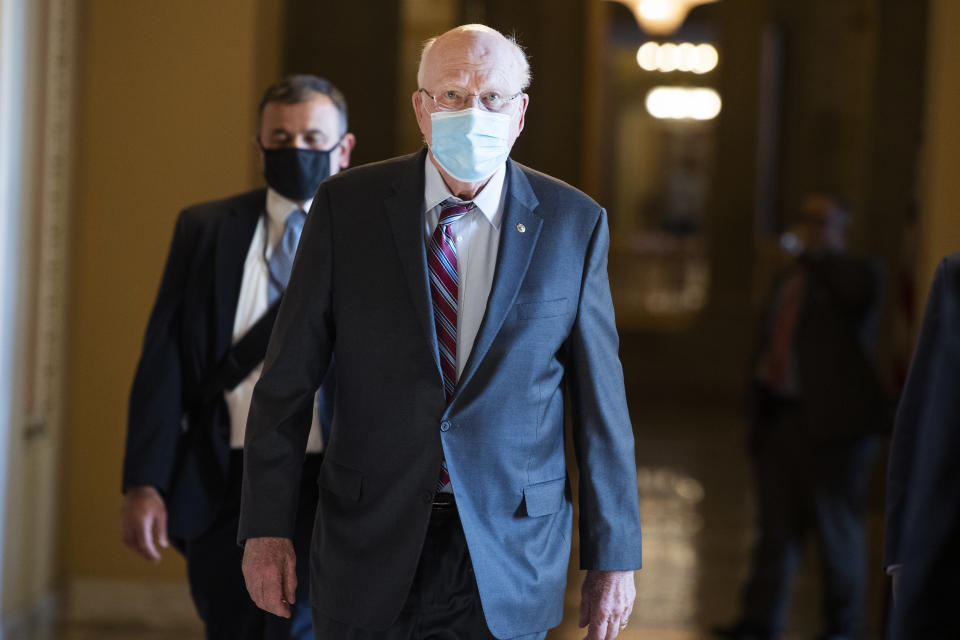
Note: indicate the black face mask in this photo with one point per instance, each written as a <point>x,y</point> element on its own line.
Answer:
<point>296,173</point>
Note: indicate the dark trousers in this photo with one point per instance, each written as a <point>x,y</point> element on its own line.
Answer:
<point>806,486</point>
<point>215,575</point>
<point>443,604</point>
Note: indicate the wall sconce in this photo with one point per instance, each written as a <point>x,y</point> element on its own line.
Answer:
<point>661,17</point>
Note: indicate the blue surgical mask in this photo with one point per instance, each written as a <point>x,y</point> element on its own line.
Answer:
<point>470,144</point>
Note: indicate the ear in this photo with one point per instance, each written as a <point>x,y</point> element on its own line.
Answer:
<point>347,143</point>
<point>255,141</point>
<point>418,109</point>
<point>525,101</point>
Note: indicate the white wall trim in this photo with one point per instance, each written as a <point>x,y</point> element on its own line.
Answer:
<point>37,86</point>
<point>13,63</point>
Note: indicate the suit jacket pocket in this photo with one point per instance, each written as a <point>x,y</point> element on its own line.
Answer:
<point>543,309</point>
<point>341,480</point>
<point>544,498</point>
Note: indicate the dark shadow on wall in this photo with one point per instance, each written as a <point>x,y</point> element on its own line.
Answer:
<point>354,45</point>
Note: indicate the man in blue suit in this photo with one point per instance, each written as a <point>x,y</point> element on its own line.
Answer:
<point>465,299</point>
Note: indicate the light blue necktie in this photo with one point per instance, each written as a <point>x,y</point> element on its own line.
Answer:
<point>281,260</point>
<point>279,266</point>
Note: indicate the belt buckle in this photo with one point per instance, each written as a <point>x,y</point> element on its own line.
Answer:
<point>443,501</point>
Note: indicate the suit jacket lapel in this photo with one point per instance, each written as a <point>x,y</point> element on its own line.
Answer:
<point>233,243</point>
<point>513,258</point>
<point>405,211</point>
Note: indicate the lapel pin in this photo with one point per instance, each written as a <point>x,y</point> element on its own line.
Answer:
<point>521,228</point>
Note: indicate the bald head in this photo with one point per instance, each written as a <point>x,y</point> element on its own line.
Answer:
<point>474,47</point>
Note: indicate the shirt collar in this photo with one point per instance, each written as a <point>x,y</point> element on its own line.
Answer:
<point>487,201</point>
<point>278,207</point>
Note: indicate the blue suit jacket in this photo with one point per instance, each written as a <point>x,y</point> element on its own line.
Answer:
<point>359,290</point>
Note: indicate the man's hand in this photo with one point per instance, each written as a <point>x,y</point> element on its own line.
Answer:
<point>143,522</point>
<point>270,571</point>
<point>606,601</point>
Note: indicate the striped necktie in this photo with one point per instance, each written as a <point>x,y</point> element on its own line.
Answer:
<point>445,290</point>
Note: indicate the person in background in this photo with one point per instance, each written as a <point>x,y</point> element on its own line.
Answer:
<point>228,265</point>
<point>466,299</point>
<point>818,407</point>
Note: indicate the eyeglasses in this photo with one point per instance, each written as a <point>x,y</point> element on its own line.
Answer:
<point>457,99</point>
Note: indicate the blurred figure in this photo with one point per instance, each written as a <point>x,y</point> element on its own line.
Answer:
<point>228,265</point>
<point>818,403</point>
<point>922,546</point>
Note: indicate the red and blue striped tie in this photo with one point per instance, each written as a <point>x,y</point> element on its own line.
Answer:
<point>444,289</point>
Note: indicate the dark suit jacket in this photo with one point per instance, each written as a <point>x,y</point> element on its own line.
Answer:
<point>923,482</point>
<point>359,290</point>
<point>173,444</point>
<point>841,395</point>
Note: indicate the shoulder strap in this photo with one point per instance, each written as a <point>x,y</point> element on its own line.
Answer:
<point>243,357</point>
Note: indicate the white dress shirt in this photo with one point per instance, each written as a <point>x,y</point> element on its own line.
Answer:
<point>252,304</point>
<point>477,236</point>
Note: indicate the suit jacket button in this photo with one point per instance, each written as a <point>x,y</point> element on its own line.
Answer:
<point>427,496</point>
<point>445,425</point>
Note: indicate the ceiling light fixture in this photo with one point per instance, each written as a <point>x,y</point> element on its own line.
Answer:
<point>661,17</point>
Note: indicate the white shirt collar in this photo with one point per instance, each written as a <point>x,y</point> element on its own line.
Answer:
<point>278,208</point>
<point>488,200</point>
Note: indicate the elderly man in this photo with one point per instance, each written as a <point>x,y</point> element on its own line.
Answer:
<point>465,298</point>
<point>228,263</point>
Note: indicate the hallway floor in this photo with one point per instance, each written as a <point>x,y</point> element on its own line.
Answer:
<point>694,484</point>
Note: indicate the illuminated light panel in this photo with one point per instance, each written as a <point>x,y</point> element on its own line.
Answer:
<point>688,56</point>
<point>647,56</point>
<point>706,58</point>
<point>683,103</point>
<point>669,56</point>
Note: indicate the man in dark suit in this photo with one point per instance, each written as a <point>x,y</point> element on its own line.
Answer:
<point>818,405</point>
<point>922,546</point>
<point>228,262</point>
<point>465,298</point>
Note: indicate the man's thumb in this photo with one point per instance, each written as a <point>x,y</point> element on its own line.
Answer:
<point>290,582</point>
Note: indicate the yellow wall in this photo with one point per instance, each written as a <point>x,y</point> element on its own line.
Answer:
<point>167,107</point>
<point>940,182</point>
<point>167,97</point>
